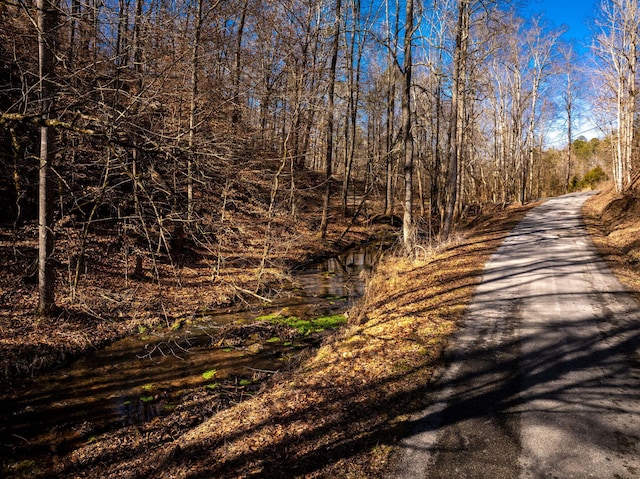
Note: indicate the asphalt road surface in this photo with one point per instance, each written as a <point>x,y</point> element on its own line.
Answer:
<point>543,381</point>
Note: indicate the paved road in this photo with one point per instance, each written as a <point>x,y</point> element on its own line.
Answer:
<point>544,379</point>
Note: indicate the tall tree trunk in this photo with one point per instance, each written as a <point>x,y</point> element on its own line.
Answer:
<point>455,147</point>
<point>434,193</point>
<point>137,41</point>
<point>330,118</point>
<point>354,99</point>
<point>73,27</point>
<point>195,65</point>
<point>237,67</point>
<point>407,140</point>
<point>569,106</point>
<point>391,93</point>
<point>47,28</point>
<point>122,40</point>
<point>392,39</point>
<point>528,162</point>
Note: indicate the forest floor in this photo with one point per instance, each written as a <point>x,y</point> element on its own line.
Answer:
<point>111,300</point>
<point>341,409</point>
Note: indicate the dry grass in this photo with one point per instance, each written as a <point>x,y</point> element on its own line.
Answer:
<point>341,412</point>
<point>614,223</point>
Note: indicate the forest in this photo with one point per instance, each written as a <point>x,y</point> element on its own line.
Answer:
<point>164,158</point>
<point>156,117</point>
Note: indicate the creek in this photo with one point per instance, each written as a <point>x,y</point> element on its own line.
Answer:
<point>144,376</point>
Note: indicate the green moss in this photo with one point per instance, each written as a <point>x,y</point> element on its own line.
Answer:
<point>306,326</point>
<point>27,464</point>
<point>270,317</point>
<point>146,399</point>
<point>212,386</point>
<point>245,382</point>
<point>178,323</point>
<point>331,322</point>
<point>148,387</point>
<point>209,374</point>
<point>274,340</point>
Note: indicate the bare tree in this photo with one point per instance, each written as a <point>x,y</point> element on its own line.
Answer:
<point>330,119</point>
<point>540,45</point>
<point>457,111</point>
<point>195,71</point>
<point>47,29</point>
<point>618,47</point>
<point>568,103</point>
<point>407,138</point>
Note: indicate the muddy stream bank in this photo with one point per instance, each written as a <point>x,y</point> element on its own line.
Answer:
<point>147,375</point>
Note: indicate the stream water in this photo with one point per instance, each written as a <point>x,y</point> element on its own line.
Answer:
<point>143,376</point>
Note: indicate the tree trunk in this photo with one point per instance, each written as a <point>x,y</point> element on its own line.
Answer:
<point>407,140</point>
<point>354,99</point>
<point>457,107</point>
<point>569,106</point>
<point>47,27</point>
<point>389,205</point>
<point>329,131</point>
<point>122,53</point>
<point>237,67</point>
<point>195,65</point>
<point>434,193</point>
<point>391,93</point>
<point>137,42</point>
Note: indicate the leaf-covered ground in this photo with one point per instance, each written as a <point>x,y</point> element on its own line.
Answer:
<point>111,302</point>
<point>614,223</point>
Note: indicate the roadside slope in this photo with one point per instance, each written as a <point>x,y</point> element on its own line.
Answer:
<point>613,221</point>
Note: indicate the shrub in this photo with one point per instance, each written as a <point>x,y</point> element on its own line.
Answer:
<point>593,177</point>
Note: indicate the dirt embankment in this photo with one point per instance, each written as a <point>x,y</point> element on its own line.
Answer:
<point>614,223</point>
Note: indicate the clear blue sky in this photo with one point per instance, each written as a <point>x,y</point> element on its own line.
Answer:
<point>577,15</point>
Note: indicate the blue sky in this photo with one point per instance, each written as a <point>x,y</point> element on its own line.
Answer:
<point>578,15</point>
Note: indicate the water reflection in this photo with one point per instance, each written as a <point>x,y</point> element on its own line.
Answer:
<point>141,377</point>
<point>341,276</point>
